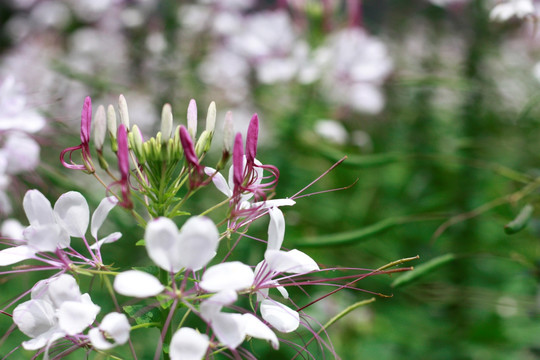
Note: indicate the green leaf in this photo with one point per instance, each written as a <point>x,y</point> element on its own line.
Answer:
<point>140,243</point>
<point>422,270</point>
<point>143,314</point>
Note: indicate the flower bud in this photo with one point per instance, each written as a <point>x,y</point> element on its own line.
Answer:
<point>136,141</point>
<point>228,133</point>
<point>123,109</point>
<point>111,126</point>
<point>100,128</point>
<point>211,117</point>
<point>192,118</point>
<point>166,123</point>
<point>203,143</point>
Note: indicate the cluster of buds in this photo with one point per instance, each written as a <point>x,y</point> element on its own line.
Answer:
<point>190,285</point>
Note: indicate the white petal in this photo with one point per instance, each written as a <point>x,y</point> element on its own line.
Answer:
<point>61,289</point>
<point>198,242</point>
<point>46,237</point>
<point>162,242</point>
<point>230,329</point>
<point>106,240</point>
<point>73,213</point>
<point>137,283</point>
<point>35,344</point>
<point>188,344</point>
<point>116,326</point>
<point>211,306</point>
<point>281,317</point>
<point>44,340</point>
<point>276,229</point>
<point>75,316</point>
<point>257,329</point>
<point>293,261</point>
<point>34,317</point>
<point>274,203</point>
<point>219,181</point>
<point>15,254</point>
<point>37,208</point>
<point>227,276</point>
<point>98,217</point>
<point>98,340</point>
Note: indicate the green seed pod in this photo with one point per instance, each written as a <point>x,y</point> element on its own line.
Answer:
<point>422,270</point>
<point>521,220</point>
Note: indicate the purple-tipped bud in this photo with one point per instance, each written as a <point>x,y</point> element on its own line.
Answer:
<point>86,120</point>
<point>123,151</point>
<point>192,118</point>
<point>238,161</point>
<point>252,138</point>
<point>123,166</point>
<point>187,145</point>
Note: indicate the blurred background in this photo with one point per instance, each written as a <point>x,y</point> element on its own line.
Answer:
<point>435,103</point>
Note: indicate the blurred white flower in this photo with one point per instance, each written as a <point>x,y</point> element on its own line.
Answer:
<point>511,8</point>
<point>355,67</point>
<point>331,130</point>
<point>14,113</point>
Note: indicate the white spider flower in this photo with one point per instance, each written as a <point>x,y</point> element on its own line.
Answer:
<point>115,327</point>
<point>51,229</point>
<point>191,248</point>
<point>56,309</point>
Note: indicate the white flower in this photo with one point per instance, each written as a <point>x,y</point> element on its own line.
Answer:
<point>227,187</point>
<point>231,329</point>
<point>511,8</point>
<point>192,247</point>
<point>51,229</point>
<point>354,66</point>
<point>331,130</point>
<point>278,261</point>
<point>114,326</point>
<point>56,309</point>
<point>14,113</point>
<point>188,344</point>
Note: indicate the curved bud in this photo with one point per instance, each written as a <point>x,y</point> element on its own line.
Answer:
<point>166,123</point>
<point>123,109</point>
<point>100,128</point>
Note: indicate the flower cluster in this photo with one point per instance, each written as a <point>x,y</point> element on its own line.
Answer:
<point>153,181</point>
